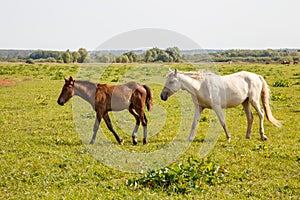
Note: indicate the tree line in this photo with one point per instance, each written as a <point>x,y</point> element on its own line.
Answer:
<point>260,56</point>
<point>175,55</point>
<point>171,54</point>
<point>59,56</point>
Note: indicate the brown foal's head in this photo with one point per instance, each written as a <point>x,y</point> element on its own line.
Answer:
<point>67,91</point>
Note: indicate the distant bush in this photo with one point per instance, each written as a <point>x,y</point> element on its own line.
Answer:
<point>51,60</point>
<point>29,61</point>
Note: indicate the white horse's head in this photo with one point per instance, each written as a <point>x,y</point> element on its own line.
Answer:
<point>172,85</point>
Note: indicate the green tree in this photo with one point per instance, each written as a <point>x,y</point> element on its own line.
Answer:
<point>122,59</point>
<point>75,56</point>
<point>125,59</point>
<point>175,55</point>
<point>148,56</point>
<point>152,55</point>
<point>171,54</point>
<point>164,57</point>
<point>132,56</point>
<point>60,59</point>
<point>83,55</point>
<point>67,56</point>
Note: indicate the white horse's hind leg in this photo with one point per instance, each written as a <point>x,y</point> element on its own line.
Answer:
<point>198,111</point>
<point>249,115</point>
<point>223,122</point>
<point>260,113</point>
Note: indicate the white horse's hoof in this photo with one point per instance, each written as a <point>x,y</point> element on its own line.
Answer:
<point>264,138</point>
<point>228,140</point>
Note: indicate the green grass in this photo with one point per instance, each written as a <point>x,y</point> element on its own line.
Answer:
<point>42,155</point>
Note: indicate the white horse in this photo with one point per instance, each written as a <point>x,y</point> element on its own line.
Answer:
<point>209,90</point>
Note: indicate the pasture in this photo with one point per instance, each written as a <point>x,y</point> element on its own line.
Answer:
<point>44,154</point>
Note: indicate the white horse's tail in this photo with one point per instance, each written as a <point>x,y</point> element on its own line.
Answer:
<point>265,101</point>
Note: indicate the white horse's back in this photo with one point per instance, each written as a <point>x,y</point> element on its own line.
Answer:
<point>240,86</point>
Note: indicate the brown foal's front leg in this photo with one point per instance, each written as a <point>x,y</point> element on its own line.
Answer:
<point>111,128</point>
<point>96,127</point>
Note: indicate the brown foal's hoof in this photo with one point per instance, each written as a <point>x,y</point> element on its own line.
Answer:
<point>134,140</point>
<point>144,142</point>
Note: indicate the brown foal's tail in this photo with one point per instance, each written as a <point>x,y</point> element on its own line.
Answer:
<point>265,101</point>
<point>149,97</point>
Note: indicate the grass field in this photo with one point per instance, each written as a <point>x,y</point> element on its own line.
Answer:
<point>44,153</point>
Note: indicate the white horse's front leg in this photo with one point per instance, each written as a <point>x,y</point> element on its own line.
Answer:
<point>198,111</point>
<point>218,111</point>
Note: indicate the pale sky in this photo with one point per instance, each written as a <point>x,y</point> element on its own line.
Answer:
<point>213,24</point>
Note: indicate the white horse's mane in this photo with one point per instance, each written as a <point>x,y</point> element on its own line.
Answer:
<point>198,75</point>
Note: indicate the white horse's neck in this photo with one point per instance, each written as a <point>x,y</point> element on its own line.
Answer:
<point>189,84</point>
<point>86,90</point>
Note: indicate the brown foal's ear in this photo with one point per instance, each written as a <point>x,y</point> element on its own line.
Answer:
<point>66,80</point>
<point>71,81</point>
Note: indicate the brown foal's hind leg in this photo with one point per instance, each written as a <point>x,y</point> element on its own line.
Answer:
<point>144,123</point>
<point>142,117</point>
<point>111,128</point>
<point>137,119</point>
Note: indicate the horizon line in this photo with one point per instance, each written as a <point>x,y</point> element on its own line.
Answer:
<point>95,50</point>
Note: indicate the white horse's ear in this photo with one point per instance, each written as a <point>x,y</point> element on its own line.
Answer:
<point>170,70</point>
<point>175,72</point>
